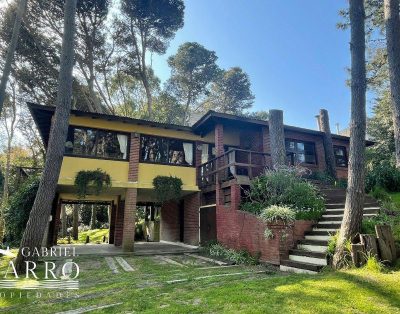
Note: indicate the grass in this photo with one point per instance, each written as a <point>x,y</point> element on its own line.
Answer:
<point>146,290</point>
<point>95,236</point>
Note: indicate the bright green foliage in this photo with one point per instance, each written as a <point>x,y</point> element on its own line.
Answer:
<point>374,265</point>
<point>383,174</point>
<point>332,244</point>
<point>238,257</point>
<point>95,237</point>
<point>17,212</point>
<point>98,179</point>
<point>284,187</point>
<point>167,188</point>
<point>275,214</point>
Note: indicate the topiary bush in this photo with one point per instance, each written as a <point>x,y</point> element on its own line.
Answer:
<point>16,213</point>
<point>284,187</point>
<point>167,188</point>
<point>97,178</point>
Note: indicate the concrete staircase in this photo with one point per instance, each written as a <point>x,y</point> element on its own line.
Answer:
<point>309,255</point>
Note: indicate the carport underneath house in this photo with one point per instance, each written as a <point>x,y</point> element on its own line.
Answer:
<point>216,158</point>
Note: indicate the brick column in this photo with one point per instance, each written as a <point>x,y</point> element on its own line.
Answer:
<point>128,235</point>
<point>235,196</point>
<point>219,147</point>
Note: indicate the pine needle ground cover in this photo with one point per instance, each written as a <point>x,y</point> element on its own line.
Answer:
<point>156,286</point>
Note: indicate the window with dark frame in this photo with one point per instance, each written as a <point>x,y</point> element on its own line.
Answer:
<point>161,150</point>
<point>340,156</point>
<point>96,143</point>
<point>300,152</point>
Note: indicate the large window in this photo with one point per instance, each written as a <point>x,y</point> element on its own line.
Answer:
<point>96,143</point>
<point>300,152</point>
<point>340,156</point>
<point>166,151</point>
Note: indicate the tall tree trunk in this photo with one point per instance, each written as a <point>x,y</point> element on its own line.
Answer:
<point>41,209</point>
<point>353,212</point>
<point>63,221</point>
<point>392,23</point>
<point>93,217</point>
<point>277,138</point>
<point>149,97</point>
<point>75,222</point>
<point>328,145</point>
<point>11,50</point>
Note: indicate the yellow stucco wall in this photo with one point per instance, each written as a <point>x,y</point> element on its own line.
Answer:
<point>118,170</point>
<point>147,172</point>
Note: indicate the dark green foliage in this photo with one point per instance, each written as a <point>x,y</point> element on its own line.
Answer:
<point>380,193</point>
<point>99,179</point>
<point>285,188</point>
<point>238,257</point>
<point>231,92</point>
<point>157,19</point>
<point>101,214</point>
<point>322,176</point>
<point>167,188</point>
<point>16,214</point>
<point>384,175</point>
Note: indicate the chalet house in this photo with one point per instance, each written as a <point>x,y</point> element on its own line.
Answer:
<point>215,157</point>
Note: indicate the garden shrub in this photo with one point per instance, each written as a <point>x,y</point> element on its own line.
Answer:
<point>98,178</point>
<point>167,188</point>
<point>380,193</point>
<point>384,175</point>
<point>16,213</point>
<point>275,213</point>
<point>284,187</point>
<point>238,257</point>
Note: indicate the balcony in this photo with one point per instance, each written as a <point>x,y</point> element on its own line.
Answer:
<point>233,164</point>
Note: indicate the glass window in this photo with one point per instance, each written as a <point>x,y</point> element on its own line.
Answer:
<point>96,143</point>
<point>300,152</point>
<point>166,151</point>
<point>340,156</point>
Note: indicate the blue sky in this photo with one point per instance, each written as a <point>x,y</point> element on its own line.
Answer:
<point>294,54</point>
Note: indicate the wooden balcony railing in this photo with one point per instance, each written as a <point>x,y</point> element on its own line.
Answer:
<point>235,162</point>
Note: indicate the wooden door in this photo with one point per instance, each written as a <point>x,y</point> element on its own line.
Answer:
<point>208,224</point>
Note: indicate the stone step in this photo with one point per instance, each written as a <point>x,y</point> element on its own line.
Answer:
<point>299,267</point>
<point>307,253</point>
<point>330,221</point>
<point>329,217</point>
<point>317,237</point>
<point>328,225</point>
<point>340,211</point>
<point>308,259</point>
<point>322,229</point>
<point>319,232</point>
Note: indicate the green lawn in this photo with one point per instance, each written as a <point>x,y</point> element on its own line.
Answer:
<point>95,235</point>
<point>147,290</point>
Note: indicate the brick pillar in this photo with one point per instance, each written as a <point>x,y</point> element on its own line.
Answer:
<point>219,147</point>
<point>235,196</point>
<point>128,235</point>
